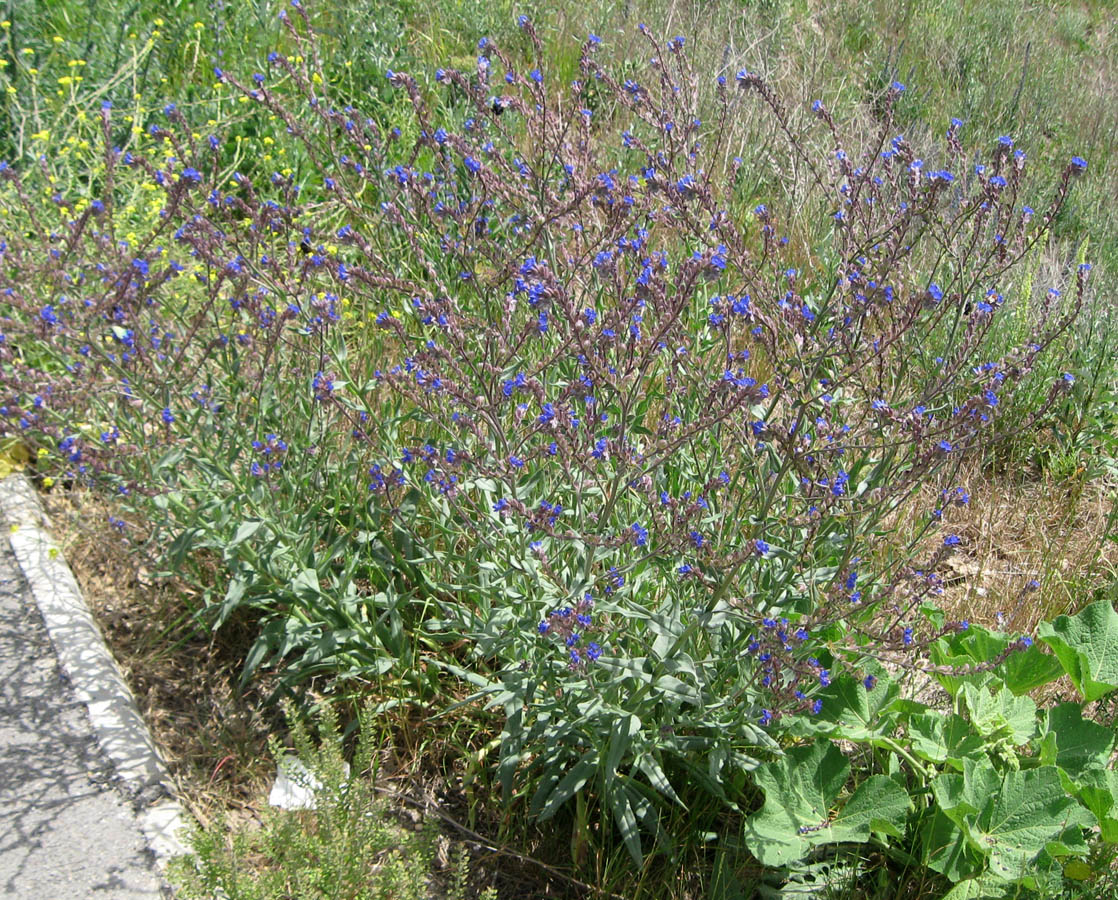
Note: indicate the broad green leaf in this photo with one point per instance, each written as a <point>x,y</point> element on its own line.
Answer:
<point>1000,715</point>
<point>676,690</point>
<point>1071,841</point>
<point>1024,670</point>
<point>959,651</point>
<point>976,888</point>
<point>1077,870</point>
<point>852,712</point>
<point>800,789</point>
<point>943,739</point>
<point>879,804</point>
<point>1087,647</point>
<point>961,797</point>
<point>944,848</point>
<point>1080,743</point>
<point>1100,795</point>
<point>1019,820</point>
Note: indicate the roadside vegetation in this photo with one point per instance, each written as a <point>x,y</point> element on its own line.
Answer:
<point>658,450</point>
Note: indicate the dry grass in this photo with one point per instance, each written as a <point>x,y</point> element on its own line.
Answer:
<point>212,736</point>
<point>1054,533</point>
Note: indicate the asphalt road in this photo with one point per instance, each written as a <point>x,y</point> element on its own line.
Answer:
<point>65,832</point>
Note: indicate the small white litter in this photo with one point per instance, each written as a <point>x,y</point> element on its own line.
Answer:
<point>295,786</point>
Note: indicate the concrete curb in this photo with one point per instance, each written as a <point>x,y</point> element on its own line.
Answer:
<point>87,663</point>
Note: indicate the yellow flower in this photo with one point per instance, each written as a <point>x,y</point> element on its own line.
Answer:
<point>48,482</point>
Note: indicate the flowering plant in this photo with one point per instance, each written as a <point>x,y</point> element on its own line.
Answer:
<point>540,393</point>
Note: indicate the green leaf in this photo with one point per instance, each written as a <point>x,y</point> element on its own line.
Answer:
<point>943,739</point>
<point>1024,670</point>
<point>1080,743</point>
<point>960,797</point>
<point>624,729</point>
<point>622,806</point>
<point>656,777</point>
<point>800,789</point>
<point>569,785</point>
<point>879,804</point>
<point>244,531</point>
<point>975,888</point>
<point>1099,794</point>
<point>1019,820</point>
<point>1000,715</point>
<point>944,849</point>
<point>1071,841</point>
<point>852,712</point>
<point>1087,647</point>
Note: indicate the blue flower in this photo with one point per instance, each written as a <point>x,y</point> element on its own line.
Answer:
<point>640,534</point>
<point>952,540</point>
<point>593,651</point>
<point>167,416</point>
<point>1079,163</point>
